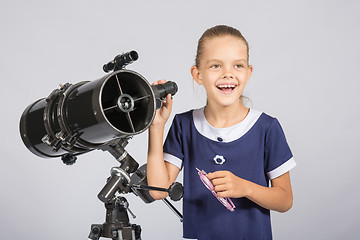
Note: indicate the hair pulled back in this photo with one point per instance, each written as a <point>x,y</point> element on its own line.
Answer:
<point>218,31</point>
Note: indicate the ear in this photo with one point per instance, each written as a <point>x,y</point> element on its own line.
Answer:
<point>196,75</point>
<point>250,70</point>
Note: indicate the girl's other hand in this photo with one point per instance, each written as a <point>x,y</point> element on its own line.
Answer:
<point>228,185</point>
<point>278,197</point>
<point>162,114</point>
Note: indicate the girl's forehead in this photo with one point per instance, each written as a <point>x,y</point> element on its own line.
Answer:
<point>224,46</point>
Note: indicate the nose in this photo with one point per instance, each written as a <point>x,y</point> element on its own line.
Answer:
<point>227,74</point>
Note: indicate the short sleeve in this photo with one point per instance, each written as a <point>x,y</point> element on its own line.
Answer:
<point>278,156</point>
<point>173,146</point>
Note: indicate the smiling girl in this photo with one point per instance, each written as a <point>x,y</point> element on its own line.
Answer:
<point>243,149</point>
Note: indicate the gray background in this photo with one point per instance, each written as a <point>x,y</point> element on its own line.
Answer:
<point>306,73</point>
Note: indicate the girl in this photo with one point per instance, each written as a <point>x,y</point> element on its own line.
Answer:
<point>243,149</point>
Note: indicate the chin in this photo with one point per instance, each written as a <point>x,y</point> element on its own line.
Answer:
<point>226,104</point>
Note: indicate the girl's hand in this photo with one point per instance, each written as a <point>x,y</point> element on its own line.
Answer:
<point>278,197</point>
<point>228,185</point>
<point>162,114</point>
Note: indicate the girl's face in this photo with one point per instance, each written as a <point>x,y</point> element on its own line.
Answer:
<point>223,70</point>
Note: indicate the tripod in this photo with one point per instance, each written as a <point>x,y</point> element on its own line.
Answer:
<point>117,225</point>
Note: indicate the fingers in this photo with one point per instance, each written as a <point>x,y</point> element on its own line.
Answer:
<point>218,181</point>
<point>168,102</point>
<point>220,188</point>
<point>224,194</point>
<point>217,174</point>
<point>226,184</point>
<point>222,182</point>
<point>216,178</point>
<point>223,188</point>
<point>162,81</point>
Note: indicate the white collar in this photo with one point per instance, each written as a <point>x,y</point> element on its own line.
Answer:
<point>228,134</point>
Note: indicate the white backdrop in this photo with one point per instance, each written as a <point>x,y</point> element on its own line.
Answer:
<point>306,59</point>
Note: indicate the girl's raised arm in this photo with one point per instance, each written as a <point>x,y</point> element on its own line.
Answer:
<point>160,173</point>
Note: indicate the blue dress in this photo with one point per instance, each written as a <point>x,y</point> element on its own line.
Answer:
<point>254,149</point>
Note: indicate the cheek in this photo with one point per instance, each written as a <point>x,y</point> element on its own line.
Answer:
<point>212,76</point>
<point>244,77</point>
<point>207,78</point>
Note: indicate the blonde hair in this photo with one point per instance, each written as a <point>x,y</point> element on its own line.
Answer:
<point>218,31</point>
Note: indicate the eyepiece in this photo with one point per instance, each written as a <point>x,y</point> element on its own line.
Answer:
<point>120,61</point>
<point>162,90</point>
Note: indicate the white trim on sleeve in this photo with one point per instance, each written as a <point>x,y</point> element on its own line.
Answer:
<point>173,160</point>
<point>284,168</point>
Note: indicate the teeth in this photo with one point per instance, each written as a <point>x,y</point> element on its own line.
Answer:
<point>226,86</point>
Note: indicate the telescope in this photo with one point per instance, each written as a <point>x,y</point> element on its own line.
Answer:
<point>103,114</point>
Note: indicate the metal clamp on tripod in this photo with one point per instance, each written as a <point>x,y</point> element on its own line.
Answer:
<point>102,114</point>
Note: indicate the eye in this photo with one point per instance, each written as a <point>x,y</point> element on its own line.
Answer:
<point>215,66</point>
<point>239,66</point>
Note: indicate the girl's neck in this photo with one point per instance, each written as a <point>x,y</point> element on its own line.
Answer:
<point>222,117</point>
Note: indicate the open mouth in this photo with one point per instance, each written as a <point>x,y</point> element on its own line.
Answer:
<point>226,88</point>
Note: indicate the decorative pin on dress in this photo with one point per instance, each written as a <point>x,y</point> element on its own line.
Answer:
<point>219,159</point>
